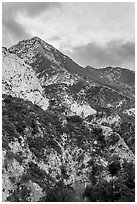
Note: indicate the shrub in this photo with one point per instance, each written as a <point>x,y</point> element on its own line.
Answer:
<point>8,99</point>
<point>74,119</point>
<point>129,174</point>
<point>64,172</point>
<point>114,137</point>
<point>57,194</point>
<point>97,130</point>
<point>114,167</point>
<point>90,193</point>
<point>20,128</point>
<point>112,191</point>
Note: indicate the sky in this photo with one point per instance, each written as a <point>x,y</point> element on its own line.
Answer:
<point>91,33</point>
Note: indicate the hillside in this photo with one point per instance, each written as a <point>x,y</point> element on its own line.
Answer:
<point>68,131</point>
<point>41,153</point>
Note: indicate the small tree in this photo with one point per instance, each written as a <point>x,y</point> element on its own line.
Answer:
<point>114,167</point>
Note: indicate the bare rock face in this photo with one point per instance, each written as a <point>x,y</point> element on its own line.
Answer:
<point>19,80</point>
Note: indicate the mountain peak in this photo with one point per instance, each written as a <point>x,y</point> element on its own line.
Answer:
<point>36,38</point>
<point>39,40</point>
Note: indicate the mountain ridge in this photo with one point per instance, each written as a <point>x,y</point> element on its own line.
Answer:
<point>59,60</point>
<point>35,38</point>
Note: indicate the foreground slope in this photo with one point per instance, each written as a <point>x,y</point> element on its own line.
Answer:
<point>41,153</point>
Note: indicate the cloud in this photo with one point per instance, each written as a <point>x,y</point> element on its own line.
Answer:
<point>113,53</point>
<point>10,25</point>
<point>55,38</point>
<point>31,8</point>
<point>104,40</point>
<point>9,16</point>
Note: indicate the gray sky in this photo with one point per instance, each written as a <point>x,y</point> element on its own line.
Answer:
<point>95,34</point>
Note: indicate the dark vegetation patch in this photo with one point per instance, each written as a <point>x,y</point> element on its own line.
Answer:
<point>74,119</point>
<point>121,189</point>
<point>128,134</point>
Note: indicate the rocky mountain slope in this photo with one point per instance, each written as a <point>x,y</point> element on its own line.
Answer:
<point>116,86</point>
<point>115,77</point>
<point>50,65</point>
<point>68,131</point>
